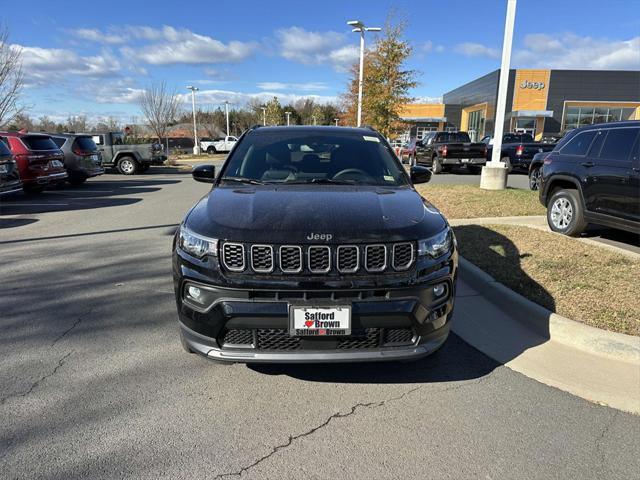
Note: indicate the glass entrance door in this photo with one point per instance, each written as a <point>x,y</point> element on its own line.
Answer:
<point>525,125</point>
<point>475,127</point>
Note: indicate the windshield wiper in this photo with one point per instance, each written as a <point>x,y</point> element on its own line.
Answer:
<point>246,180</point>
<point>325,180</point>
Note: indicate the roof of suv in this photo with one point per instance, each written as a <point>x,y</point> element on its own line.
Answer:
<point>315,129</point>
<point>622,123</point>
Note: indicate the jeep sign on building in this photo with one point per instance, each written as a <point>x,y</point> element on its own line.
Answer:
<point>540,102</point>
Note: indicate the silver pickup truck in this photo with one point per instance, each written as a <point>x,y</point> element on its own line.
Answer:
<point>127,158</point>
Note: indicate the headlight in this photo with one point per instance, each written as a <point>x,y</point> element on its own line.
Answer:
<point>196,245</point>
<point>437,245</point>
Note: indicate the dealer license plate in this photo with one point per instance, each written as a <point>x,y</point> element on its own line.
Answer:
<point>3,169</point>
<point>55,164</point>
<point>464,160</point>
<point>319,321</point>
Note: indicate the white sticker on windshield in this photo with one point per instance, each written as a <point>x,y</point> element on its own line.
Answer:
<point>371,139</point>
<point>388,178</point>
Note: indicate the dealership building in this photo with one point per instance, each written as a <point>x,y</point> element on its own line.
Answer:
<point>540,102</point>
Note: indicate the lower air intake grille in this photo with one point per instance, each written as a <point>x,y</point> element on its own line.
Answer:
<point>369,339</point>
<point>238,337</point>
<point>398,336</point>
<point>276,339</point>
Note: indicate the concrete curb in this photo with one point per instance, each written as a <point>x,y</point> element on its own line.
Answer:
<point>610,345</point>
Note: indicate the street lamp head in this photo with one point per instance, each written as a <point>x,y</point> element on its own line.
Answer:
<point>355,23</point>
<point>373,29</point>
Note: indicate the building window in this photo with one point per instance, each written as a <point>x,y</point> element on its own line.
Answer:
<point>420,131</point>
<point>575,117</point>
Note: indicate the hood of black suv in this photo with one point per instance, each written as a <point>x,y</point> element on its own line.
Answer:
<point>314,214</point>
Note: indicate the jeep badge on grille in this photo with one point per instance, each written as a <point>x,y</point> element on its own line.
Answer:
<point>320,236</point>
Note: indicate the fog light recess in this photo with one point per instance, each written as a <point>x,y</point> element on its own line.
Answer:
<point>439,290</point>
<point>198,297</point>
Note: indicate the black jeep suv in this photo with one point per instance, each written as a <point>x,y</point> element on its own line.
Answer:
<point>313,246</point>
<point>593,176</point>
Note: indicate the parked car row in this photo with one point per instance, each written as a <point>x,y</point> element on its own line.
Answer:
<point>35,161</point>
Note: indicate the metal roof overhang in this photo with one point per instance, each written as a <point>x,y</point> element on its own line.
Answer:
<point>424,119</point>
<point>531,113</point>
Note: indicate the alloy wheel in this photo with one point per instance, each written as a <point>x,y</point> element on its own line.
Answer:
<point>561,213</point>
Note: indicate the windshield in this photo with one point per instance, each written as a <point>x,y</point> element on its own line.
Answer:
<point>311,157</point>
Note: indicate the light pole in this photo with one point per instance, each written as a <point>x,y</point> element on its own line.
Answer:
<point>360,27</point>
<point>196,147</point>
<point>336,120</point>
<point>314,119</point>
<point>226,112</point>
<point>494,173</point>
<point>288,114</point>
<point>264,116</point>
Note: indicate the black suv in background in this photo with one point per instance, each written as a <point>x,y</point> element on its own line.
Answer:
<point>593,176</point>
<point>313,246</point>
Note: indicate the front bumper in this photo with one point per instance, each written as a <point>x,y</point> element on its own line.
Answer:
<point>389,324</point>
<point>8,188</point>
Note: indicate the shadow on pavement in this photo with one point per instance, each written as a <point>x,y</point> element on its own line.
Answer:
<point>91,195</point>
<point>16,222</point>
<point>619,236</point>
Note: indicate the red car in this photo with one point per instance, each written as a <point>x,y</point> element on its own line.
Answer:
<point>39,159</point>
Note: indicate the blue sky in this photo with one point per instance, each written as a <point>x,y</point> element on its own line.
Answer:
<point>94,59</point>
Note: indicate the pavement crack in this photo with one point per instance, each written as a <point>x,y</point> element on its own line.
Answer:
<point>35,384</point>
<point>292,438</point>
<point>75,324</point>
<point>600,439</point>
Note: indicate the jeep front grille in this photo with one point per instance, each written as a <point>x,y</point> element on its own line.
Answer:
<point>262,258</point>
<point>402,257</point>
<point>318,259</point>
<point>233,257</point>
<point>348,258</point>
<point>375,258</point>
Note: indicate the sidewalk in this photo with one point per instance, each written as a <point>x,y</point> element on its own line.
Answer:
<point>598,366</point>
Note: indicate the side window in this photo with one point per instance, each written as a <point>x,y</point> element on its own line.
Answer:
<point>579,145</point>
<point>618,144</point>
<point>4,140</point>
<point>97,139</point>
<point>59,141</point>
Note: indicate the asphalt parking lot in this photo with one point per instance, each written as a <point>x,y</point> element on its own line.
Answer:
<point>94,383</point>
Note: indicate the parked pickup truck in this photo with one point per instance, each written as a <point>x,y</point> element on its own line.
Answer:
<point>443,150</point>
<point>222,144</point>
<point>127,158</point>
<point>518,150</point>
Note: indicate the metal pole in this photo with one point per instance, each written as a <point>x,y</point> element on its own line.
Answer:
<point>196,147</point>
<point>361,76</point>
<point>287,114</point>
<point>264,116</point>
<point>314,119</point>
<point>504,82</point>
<point>336,120</point>
<point>226,111</point>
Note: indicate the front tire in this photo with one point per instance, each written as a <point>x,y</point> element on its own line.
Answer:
<point>534,178</point>
<point>77,180</point>
<point>565,213</point>
<point>128,166</point>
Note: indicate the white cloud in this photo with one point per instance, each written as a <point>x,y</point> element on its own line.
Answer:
<point>429,46</point>
<point>44,66</point>
<point>471,49</point>
<point>317,48</point>
<point>98,36</point>
<point>185,46</point>
<point>570,51</point>
<point>310,86</point>
<point>240,98</point>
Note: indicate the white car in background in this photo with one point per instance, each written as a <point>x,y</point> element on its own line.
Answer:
<point>222,144</point>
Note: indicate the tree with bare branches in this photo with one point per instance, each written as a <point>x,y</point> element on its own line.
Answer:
<point>159,105</point>
<point>11,77</point>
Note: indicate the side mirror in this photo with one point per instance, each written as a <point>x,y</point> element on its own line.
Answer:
<point>420,174</point>
<point>204,173</point>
